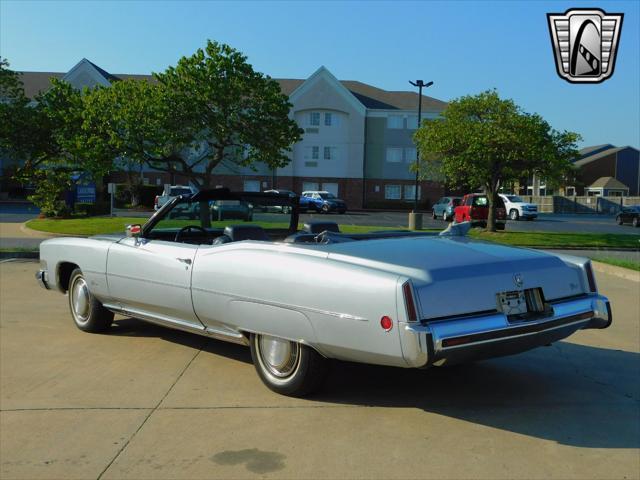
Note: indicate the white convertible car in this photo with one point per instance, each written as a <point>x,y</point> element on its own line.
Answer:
<point>298,298</point>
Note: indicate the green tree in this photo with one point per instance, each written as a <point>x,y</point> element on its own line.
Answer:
<point>229,112</point>
<point>487,141</point>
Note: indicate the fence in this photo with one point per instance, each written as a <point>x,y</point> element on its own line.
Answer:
<point>595,204</point>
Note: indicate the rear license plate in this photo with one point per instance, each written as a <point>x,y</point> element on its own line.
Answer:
<point>522,304</point>
<point>512,303</point>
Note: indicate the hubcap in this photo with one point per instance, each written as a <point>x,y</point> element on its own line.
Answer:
<point>80,300</point>
<point>279,356</point>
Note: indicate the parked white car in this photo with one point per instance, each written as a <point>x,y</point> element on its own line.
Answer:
<point>173,191</point>
<point>517,208</point>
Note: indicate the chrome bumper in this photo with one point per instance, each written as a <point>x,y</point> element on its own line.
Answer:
<point>41,276</point>
<point>457,340</point>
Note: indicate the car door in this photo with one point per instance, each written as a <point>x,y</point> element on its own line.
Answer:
<point>153,277</point>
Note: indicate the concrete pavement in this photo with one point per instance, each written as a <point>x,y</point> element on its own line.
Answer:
<point>148,402</point>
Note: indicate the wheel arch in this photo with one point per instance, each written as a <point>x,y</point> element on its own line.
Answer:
<point>63,275</point>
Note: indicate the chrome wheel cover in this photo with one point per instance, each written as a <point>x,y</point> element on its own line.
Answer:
<point>278,356</point>
<point>80,300</point>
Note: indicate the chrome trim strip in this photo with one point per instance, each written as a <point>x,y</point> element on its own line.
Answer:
<point>180,325</point>
<point>346,316</point>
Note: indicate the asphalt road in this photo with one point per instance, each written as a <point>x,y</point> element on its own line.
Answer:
<point>147,402</point>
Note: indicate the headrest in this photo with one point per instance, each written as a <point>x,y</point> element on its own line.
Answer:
<point>319,226</point>
<point>221,239</point>
<point>238,233</point>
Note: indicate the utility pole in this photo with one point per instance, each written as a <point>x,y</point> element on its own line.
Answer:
<point>415,219</point>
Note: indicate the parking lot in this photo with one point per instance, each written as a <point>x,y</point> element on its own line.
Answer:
<point>148,402</point>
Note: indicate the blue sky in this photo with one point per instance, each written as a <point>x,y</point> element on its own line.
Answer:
<point>464,47</point>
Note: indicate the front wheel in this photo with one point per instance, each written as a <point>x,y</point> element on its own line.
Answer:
<point>433,214</point>
<point>87,312</point>
<point>635,222</point>
<point>514,215</point>
<point>325,209</point>
<point>287,367</point>
<point>445,217</point>
<point>619,220</point>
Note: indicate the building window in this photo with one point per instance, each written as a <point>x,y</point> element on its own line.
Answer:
<point>251,185</point>
<point>394,155</point>
<point>331,188</point>
<point>327,119</point>
<point>395,121</point>
<point>314,118</point>
<point>412,122</point>
<point>315,152</point>
<point>309,186</point>
<point>409,192</point>
<point>392,192</point>
<point>330,153</point>
<point>410,154</point>
<point>570,191</point>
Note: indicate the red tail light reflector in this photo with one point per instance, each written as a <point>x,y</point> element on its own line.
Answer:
<point>409,303</point>
<point>386,323</point>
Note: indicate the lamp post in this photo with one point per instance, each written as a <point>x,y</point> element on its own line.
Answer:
<point>420,84</point>
<point>415,219</point>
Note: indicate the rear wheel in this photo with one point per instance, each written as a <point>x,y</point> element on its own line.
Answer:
<point>619,220</point>
<point>514,215</point>
<point>325,208</point>
<point>635,222</point>
<point>87,312</point>
<point>433,214</point>
<point>287,367</point>
<point>445,217</point>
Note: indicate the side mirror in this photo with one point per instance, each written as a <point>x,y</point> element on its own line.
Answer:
<point>134,230</point>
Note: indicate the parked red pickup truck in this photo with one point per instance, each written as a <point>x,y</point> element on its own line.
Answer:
<point>475,208</point>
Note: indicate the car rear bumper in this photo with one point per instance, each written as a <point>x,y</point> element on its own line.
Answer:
<point>457,340</point>
<point>43,280</point>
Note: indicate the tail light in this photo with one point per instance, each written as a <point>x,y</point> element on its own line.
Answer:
<point>408,302</point>
<point>590,277</point>
<point>155,201</point>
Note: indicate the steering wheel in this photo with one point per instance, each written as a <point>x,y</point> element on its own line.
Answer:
<point>189,228</point>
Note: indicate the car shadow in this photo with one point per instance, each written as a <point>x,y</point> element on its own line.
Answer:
<point>133,327</point>
<point>572,394</point>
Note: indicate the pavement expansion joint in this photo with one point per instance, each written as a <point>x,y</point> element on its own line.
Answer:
<point>124,446</point>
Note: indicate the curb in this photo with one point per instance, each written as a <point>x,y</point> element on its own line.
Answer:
<point>620,272</point>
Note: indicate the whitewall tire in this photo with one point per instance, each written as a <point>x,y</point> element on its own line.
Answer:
<point>87,312</point>
<point>286,367</point>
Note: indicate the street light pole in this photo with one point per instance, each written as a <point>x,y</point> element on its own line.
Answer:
<point>420,84</point>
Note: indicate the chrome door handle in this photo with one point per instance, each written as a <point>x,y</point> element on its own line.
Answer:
<point>184,260</point>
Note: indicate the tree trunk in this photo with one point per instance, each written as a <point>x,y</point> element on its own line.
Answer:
<point>492,196</point>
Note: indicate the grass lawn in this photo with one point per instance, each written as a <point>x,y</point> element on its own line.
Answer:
<point>619,263</point>
<point>559,240</point>
<point>101,225</point>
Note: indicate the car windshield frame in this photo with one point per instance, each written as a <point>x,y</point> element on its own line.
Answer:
<point>213,195</point>
<point>514,199</point>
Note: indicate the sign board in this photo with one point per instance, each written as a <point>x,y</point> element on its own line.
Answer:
<point>86,193</point>
<point>111,188</point>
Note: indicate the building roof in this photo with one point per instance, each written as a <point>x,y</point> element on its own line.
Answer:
<point>597,156</point>
<point>370,96</point>
<point>608,183</point>
<point>594,149</point>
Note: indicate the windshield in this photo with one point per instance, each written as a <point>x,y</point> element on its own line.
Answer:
<point>209,218</point>
<point>514,199</point>
<point>179,191</point>
<point>327,196</point>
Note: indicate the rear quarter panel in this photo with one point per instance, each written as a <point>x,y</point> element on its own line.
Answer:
<point>333,306</point>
